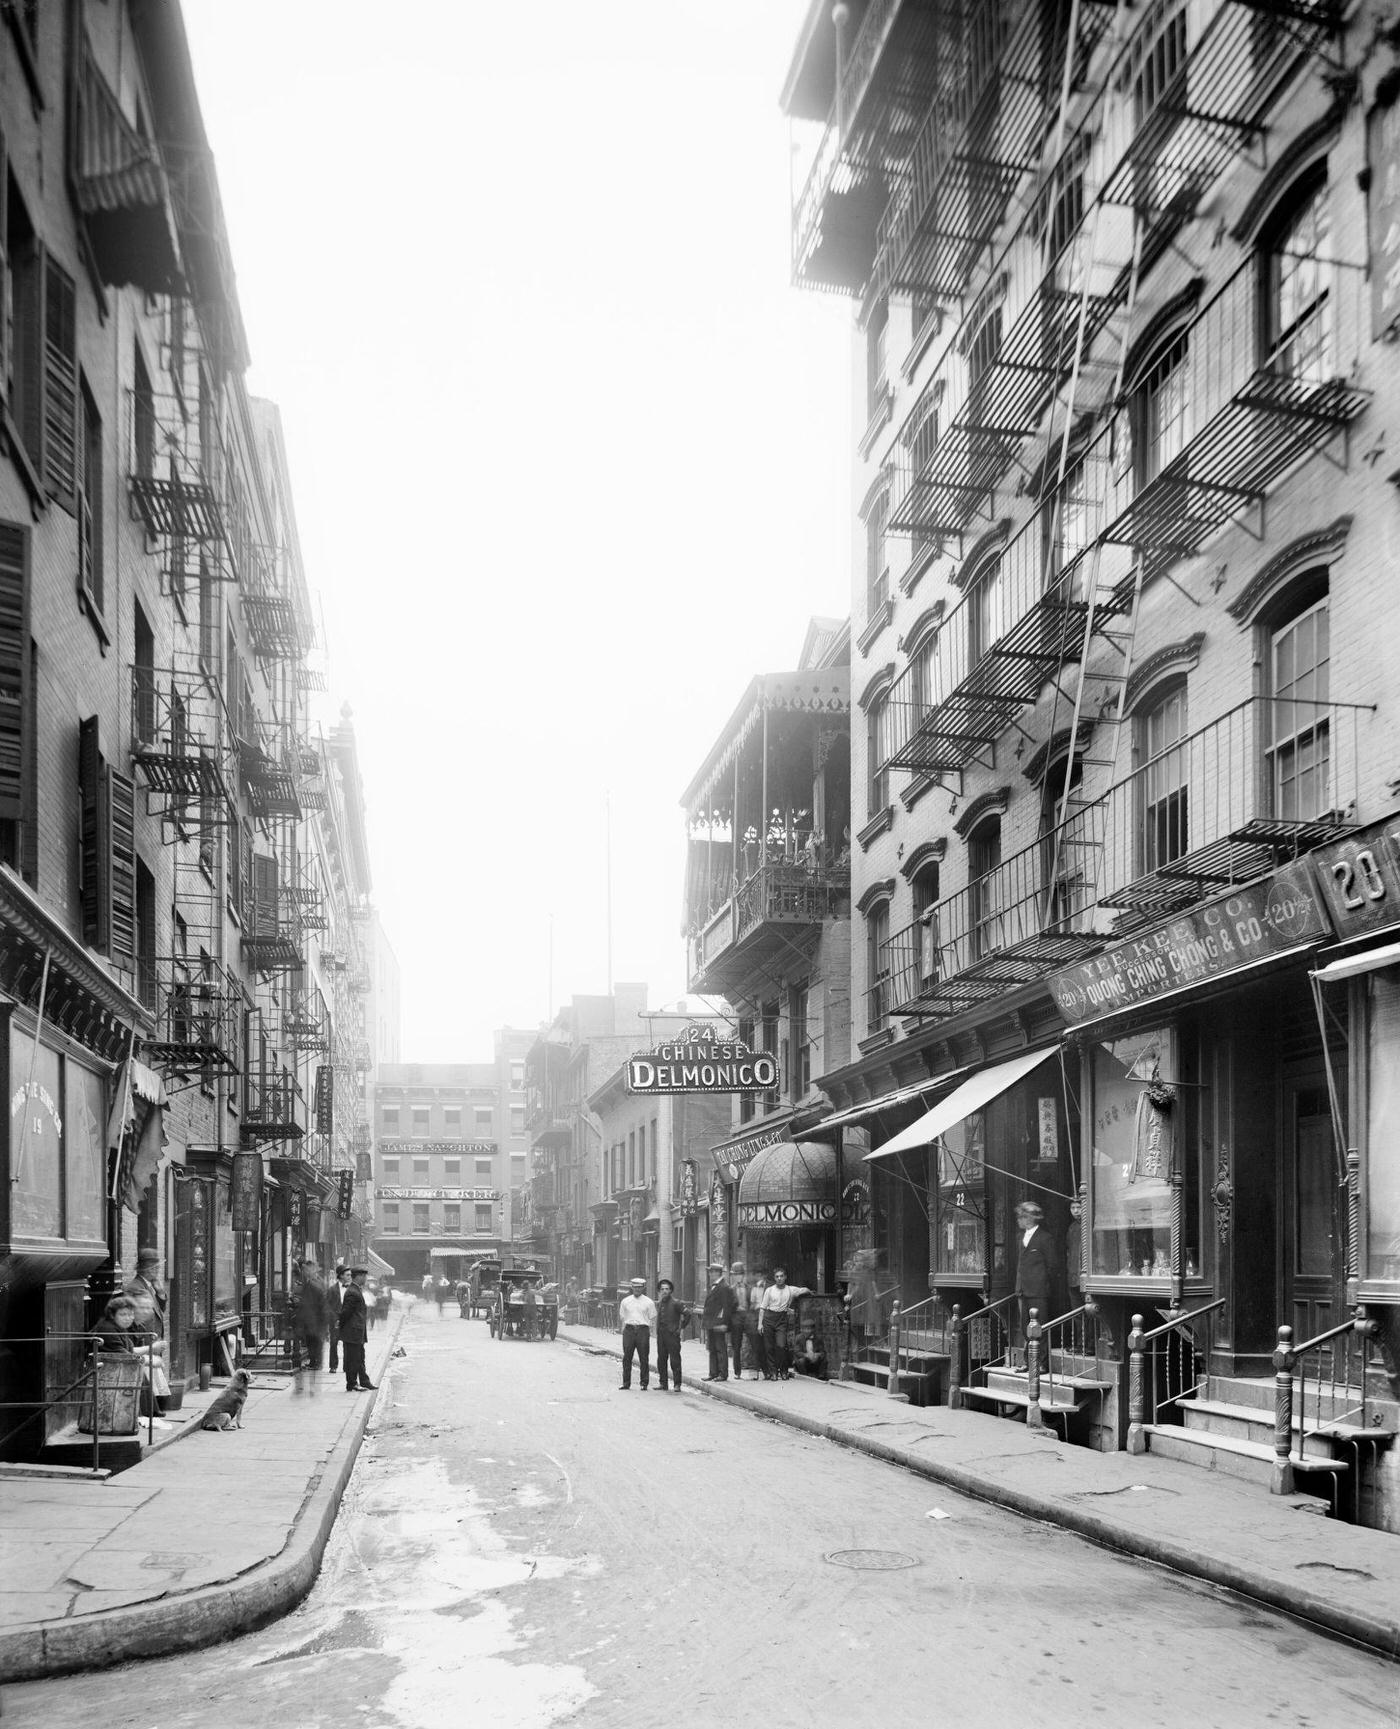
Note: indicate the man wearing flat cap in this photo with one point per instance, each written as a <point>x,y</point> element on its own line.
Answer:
<point>637,1313</point>
<point>717,1317</point>
<point>354,1330</point>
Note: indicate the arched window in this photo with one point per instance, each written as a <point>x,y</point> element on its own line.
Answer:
<point>1298,748</point>
<point>1162,780</point>
<point>1162,418</point>
<point>1298,323</point>
<point>983,860</point>
<point>925,889</point>
<point>877,965</point>
<point>988,608</point>
<point>878,724</point>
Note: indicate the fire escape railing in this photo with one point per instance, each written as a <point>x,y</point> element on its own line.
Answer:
<point>198,1008</point>
<point>1263,783</point>
<point>272,1107</point>
<point>179,748</point>
<point>1250,408</point>
<point>268,764</point>
<point>272,606</point>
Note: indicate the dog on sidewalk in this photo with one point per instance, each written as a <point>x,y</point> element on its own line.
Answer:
<point>227,1410</point>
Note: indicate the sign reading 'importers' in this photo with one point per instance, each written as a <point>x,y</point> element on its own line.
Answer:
<point>700,1062</point>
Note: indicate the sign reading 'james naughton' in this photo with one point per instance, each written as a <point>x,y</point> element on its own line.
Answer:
<point>699,1062</point>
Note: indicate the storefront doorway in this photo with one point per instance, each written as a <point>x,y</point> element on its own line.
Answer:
<point>1313,1261</point>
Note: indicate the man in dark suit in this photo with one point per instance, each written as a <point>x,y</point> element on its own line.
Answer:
<point>1037,1267</point>
<point>717,1317</point>
<point>354,1330</point>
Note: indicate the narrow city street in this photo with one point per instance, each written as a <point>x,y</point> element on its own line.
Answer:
<point>522,1542</point>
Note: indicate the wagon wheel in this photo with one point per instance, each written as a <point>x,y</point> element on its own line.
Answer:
<point>491,1321</point>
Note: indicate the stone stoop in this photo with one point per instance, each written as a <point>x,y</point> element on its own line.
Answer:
<point>1061,1400</point>
<point>923,1376</point>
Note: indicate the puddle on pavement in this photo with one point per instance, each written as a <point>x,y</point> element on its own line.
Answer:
<point>419,1557</point>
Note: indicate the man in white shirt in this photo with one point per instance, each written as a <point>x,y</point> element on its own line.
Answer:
<point>637,1314</point>
<point>775,1311</point>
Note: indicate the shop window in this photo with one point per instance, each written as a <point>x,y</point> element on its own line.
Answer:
<point>1299,751</point>
<point>1382,1171</point>
<point>961,1234</point>
<point>422,1223</point>
<point>1139,1138</point>
<point>1162,781</point>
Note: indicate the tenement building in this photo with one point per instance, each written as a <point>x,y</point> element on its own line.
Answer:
<point>1123,863</point>
<point>184,873</point>
<point>768,933</point>
<point>451,1162</point>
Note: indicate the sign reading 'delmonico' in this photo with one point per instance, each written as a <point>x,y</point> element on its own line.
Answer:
<point>697,1062</point>
<point>1264,919</point>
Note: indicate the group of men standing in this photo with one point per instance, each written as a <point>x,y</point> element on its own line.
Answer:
<point>738,1308</point>
<point>336,1312</point>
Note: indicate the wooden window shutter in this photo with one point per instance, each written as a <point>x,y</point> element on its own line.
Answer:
<point>264,895</point>
<point>6,327</point>
<point>121,808</point>
<point>14,666</point>
<point>93,836</point>
<point>60,382</point>
<point>27,350</point>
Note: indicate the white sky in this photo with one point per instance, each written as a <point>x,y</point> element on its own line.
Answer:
<point>569,453</point>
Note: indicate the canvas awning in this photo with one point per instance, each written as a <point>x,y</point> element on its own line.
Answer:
<point>890,1101</point>
<point>136,1130</point>
<point>1368,962</point>
<point>377,1264</point>
<point>971,1096</point>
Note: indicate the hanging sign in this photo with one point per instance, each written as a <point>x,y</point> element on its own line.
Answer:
<point>325,1099</point>
<point>700,1062</point>
<point>345,1180</point>
<point>296,1212</point>
<point>247,1191</point>
<point>364,1168</point>
<point>688,1202</point>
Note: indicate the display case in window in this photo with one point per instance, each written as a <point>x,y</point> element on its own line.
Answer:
<point>960,1229</point>
<point>1138,1143</point>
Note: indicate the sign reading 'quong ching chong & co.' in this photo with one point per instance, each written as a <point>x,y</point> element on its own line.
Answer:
<point>699,1062</point>
<point>1267,918</point>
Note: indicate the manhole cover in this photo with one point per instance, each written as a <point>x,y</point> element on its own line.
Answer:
<point>870,1560</point>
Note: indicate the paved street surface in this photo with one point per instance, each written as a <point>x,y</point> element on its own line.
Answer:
<point>524,1542</point>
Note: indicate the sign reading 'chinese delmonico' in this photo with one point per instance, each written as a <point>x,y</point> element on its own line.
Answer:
<point>698,1062</point>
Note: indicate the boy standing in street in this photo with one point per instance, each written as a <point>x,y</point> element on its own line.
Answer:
<point>670,1318</point>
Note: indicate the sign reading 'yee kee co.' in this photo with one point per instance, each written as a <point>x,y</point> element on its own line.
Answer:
<point>698,1062</point>
<point>1235,931</point>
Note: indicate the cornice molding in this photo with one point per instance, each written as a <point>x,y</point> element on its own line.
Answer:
<point>986,804</point>
<point>1323,546</point>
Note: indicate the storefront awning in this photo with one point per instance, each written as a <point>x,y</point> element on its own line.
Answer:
<point>891,1101</point>
<point>1369,962</point>
<point>971,1096</point>
<point>377,1264</point>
